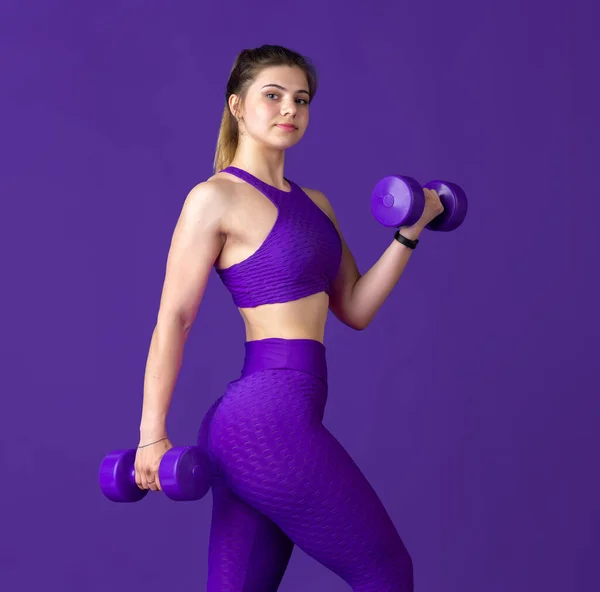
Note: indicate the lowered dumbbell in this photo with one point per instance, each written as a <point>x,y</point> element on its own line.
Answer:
<point>184,475</point>
<point>398,200</point>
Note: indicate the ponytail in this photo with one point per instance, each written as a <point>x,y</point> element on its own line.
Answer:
<point>227,141</point>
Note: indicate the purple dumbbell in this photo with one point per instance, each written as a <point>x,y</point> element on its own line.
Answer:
<point>184,475</point>
<point>398,200</point>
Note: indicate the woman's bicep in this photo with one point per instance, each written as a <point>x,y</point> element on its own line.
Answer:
<point>341,290</point>
<point>348,272</point>
<point>196,243</point>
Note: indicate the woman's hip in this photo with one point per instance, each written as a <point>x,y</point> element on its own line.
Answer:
<point>283,384</point>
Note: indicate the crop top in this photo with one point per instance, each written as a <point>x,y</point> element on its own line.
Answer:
<point>300,256</point>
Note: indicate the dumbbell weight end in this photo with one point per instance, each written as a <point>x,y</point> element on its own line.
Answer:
<point>117,477</point>
<point>185,473</point>
<point>455,203</point>
<point>397,200</point>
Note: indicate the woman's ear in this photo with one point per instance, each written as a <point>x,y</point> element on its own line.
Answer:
<point>234,106</point>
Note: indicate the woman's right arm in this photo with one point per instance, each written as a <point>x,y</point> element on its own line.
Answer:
<point>196,243</point>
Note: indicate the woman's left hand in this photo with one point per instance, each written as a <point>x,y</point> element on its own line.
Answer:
<point>433,207</point>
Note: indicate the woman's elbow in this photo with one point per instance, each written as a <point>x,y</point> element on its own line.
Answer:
<point>358,325</point>
<point>348,319</point>
<point>181,321</point>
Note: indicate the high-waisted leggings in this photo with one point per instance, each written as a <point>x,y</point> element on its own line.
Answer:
<point>280,479</point>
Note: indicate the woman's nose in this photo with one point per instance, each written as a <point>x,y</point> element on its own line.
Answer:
<point>288,108</point>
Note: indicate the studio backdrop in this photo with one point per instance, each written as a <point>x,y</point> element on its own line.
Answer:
<point>470,402</point>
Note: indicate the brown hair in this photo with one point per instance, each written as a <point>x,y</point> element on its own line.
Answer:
<point>247,65</point>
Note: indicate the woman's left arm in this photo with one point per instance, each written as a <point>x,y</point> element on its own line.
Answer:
<point>355,298</point>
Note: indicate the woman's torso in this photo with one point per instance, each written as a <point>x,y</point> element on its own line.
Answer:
<point>250,217</point>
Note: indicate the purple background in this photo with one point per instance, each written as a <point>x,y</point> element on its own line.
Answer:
<point>471,401</point>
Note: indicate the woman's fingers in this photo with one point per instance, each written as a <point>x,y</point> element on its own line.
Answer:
<point>151,480</point>
<point>139,478</point>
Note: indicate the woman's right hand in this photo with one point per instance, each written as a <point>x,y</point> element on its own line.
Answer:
<point>147,461</point>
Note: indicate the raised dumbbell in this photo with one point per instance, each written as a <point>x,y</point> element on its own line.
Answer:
<point>184,475</point>
<point>398,200</point>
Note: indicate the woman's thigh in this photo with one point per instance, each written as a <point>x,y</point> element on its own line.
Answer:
<point>247,551</point>
<point>282,461</point>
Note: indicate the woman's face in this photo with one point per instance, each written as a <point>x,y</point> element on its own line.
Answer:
<point>275,111</point>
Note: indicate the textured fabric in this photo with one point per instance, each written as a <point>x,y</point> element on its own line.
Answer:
<point>282,479</point>
<point>299,257</point>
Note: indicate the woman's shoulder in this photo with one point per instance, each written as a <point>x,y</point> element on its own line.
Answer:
<point>218,188</point>
<point>222,182</point>
<point>321,200</point>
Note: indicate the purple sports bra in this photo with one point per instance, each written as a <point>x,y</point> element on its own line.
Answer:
<point>300,256</point>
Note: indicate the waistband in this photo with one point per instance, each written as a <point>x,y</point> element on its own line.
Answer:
<point>307,355</point>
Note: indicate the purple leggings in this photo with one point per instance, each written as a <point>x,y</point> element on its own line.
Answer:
<point>281,479</point>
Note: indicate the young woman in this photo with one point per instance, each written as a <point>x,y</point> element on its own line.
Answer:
<point>280,477</point>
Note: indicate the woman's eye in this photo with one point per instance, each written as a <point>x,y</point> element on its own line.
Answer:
<point>274,95</point>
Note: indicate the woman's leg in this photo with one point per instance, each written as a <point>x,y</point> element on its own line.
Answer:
<point>277,456</point>
<point>247,552</point>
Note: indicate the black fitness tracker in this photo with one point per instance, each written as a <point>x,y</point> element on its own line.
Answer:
<point>407,242</point>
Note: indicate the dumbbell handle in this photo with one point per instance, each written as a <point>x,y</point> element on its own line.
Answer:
<point>195,471</point>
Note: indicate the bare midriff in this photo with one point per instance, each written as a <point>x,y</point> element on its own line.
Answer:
<point>300,319</point>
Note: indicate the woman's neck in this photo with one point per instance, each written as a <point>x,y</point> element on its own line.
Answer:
<point>266,166</point>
